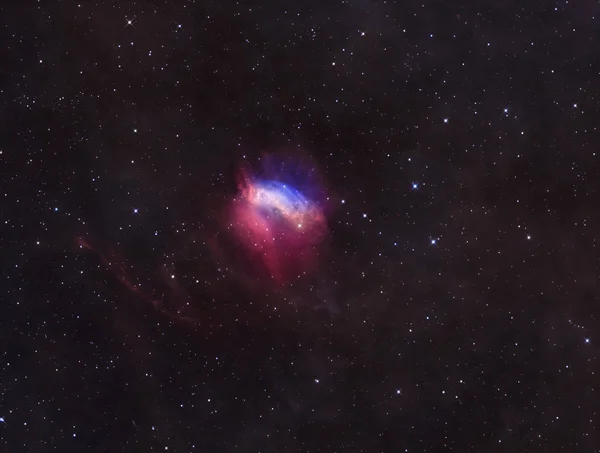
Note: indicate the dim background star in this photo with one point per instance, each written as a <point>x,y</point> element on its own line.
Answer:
<point>453,304</point>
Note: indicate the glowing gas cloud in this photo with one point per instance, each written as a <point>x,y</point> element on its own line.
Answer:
<point>271,231</point>
<point>279,214</point>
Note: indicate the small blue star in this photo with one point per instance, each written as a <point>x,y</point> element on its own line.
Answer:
<point>415,186</point>
<point>2,420</point>
<point>433,241</point>
<point>135,210</point>
<point>55,209</point>
<point>587,340</point>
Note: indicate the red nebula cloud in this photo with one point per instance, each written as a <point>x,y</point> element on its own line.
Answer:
<point>275,218</point>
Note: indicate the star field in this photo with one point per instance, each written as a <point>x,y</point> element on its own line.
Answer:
<point>450,302</point>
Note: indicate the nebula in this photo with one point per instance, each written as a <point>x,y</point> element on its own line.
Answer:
<point>270,232</point>
<point>279,215</point>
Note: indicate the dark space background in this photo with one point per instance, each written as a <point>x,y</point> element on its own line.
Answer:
<point>455,307</point>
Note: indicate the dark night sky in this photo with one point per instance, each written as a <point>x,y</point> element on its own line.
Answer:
<point>454,304</point>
